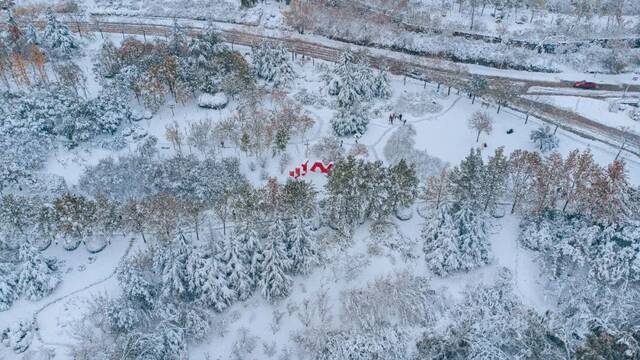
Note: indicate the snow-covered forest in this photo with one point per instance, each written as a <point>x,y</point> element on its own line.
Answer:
<point>311,179</point>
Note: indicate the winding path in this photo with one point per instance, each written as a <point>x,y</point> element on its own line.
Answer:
<point>63,297</point>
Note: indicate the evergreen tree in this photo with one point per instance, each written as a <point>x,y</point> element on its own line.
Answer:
<point>303,250</point>
<point>8,282</point>
<point>455,240</point>
<point>236,270</point>
<point>494,180</point>
<point>473,243</point>
<point>250,249</point>
<point>440,243</point>
<point>271,62</point>
<point>274,282</point>
<point>38,276</point>
<point>57,37</point>
<point>467,179</point>
<point>350,121</point>
<point>214,287</point>
<point>177,40</point>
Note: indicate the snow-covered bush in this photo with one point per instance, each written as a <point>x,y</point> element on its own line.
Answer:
<point>545,139</point>
<point>271,62</point>
<point>455,239</point>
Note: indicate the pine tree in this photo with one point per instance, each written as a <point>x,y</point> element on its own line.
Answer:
<point>455,240</point>
<point>57,37</point>
<point>274,282</point>
<point>303,250</point>
<point>37,276</point>
<point>236,271</point>
<point>171,263</point>
<point>250,248</point>
<point>472,238</point>
<point>494,179</point>
<point>271,62</point>
<point>214,287</point>
<point>350,121</point>
<point>442,253</point>
<point>467,178</point>
<point>8,284</point>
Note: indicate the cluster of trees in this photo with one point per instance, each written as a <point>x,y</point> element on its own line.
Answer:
<point>25,51</point>
<point>354,83</point>
<point>358,190</point>
<point>533,184</point>
<point>178,65</point>
<point>374,322</point>
<point>257,129</point>
<point>491,322</point>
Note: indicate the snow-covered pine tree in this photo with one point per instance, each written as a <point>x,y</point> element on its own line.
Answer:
<point>274,282</point>
<point>466,179</point>
<point>545,139</point>
<point>455,240</point>
<point>171,264</point>
<point>350,120</point>
<point>214,287</point>
<point>473,243</point>
<point>250,248</point>
<point>441,249</point>
<point>303,250</point>
<point>271,62</point>
<point>494,181</point>
<point>38,276</point>
<point>8,281</point>
<point>380,85</point>
<point>177,40</point>
<point>57,37</point>
<point>236,270</point>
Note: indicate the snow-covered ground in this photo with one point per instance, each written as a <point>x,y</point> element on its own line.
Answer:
<point>444,134</point>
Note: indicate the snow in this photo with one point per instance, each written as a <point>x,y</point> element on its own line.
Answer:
<point>442,131</point>
<point>597,110</point>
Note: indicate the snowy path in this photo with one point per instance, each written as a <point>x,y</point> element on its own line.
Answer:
<point>75,292</point>
<point>376,143</point>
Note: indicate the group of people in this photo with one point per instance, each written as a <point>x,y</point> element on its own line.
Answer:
<point>393,116</point>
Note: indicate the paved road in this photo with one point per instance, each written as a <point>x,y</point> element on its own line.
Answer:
<point>403,64</point>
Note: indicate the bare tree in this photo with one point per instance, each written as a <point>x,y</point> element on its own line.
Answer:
<point>481,123</point>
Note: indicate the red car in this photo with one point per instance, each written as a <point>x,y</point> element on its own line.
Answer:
<point>585,85</point>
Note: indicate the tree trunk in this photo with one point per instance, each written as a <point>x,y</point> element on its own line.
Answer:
<point>478,136</point>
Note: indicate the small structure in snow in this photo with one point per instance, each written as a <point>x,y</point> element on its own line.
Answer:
<point>216,101</point>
